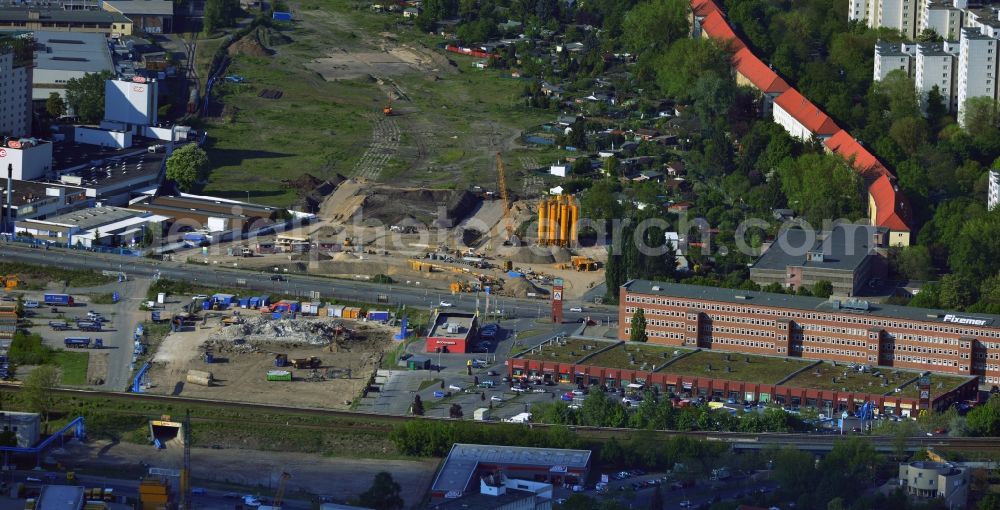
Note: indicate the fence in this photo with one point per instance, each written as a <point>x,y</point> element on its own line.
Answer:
<point>128,252</point>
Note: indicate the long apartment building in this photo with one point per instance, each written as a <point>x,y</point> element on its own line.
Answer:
<point>814,328</point>
<point>16,58</point>
<point>902,15</point>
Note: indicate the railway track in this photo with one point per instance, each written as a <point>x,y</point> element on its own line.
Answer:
<point>373,422</point>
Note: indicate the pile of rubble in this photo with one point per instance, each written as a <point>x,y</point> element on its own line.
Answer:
<point>258,330</point>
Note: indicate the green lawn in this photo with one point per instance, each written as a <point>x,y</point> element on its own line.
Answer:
<point>633,356</point>
<point>73,365</point>
<point>567,351</point>
<point>324,128</point>
<point>760,369</point>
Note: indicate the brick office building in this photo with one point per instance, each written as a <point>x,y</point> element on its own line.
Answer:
<point>785,325</point>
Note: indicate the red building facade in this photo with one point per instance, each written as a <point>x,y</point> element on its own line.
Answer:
<point>814,328</point>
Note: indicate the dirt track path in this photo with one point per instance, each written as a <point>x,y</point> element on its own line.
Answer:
<point>384,145</point>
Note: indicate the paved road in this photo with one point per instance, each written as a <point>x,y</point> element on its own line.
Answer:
<point>299,285</point>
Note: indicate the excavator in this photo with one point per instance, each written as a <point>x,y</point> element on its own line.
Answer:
<point>387,109</point>
<point>9,282</point>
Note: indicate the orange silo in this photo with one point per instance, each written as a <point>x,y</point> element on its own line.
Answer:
<point>564,223</point>
<point>542,218</point>
<point>574,216</point>
<point>553,217</point>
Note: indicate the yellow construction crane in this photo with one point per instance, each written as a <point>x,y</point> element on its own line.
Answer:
<point>279,495</point>
<point>502,184</point>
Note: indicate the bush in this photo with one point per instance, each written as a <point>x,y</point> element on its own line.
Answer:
<point>27,349</point>
<point>381,278</point>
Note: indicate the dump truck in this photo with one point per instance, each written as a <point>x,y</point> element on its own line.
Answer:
<point>58,326</point>
<point>88,326</point>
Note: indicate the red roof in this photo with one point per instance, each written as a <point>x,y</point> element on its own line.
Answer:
<point>808,114</point>
<point>717,28</point>
<point>891,209</point>
<point>865,162</point>
<point>758,73</point>
<point>704,7</point>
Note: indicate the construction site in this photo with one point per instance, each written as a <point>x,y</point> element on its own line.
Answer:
<point>457,241</point>
<point>310,362</point>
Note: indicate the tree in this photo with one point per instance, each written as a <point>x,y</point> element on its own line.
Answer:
<point>822,187</point>
<point>85,96</point>
<point>384,494</point>
<point>823,289</point>
<point>55,106</point>
<point>417,407</point>
<point>914,262</point>
<point>455,411</point>
<point>37,391</point>
<point>984,420</point>
<point>187,165</point>
<point>989,502</point>
<point>638,332</point>
<point>651,26</point>
<point>686,60</point>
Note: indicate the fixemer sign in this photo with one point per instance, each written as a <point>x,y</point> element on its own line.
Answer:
<point>971,321</point>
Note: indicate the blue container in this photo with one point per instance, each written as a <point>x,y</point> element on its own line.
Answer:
<point>206,305</point>
<point>276,315</point>
<point>281,16</point>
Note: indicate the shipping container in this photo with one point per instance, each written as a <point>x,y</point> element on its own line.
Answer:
<point>279,375</point>
<point>378,315</point>
<point>244,302</point>
<point>254,302</point>
<point>225,299</point>
<point>335,311</point>
<point>352,312</point>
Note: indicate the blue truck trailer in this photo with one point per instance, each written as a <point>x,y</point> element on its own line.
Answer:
<point>58,299</point>
<point>77,342</point>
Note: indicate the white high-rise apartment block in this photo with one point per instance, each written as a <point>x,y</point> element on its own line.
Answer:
<point>890,57</point>
<point>902,15</point>
<point>993,197</point>
<point>942,17</point>
<point>977,62</point>
<point>986,19</point>
<point>934,66</point>
<point>15,96</point>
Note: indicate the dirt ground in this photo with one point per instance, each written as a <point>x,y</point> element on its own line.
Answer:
<point>389,60</point>
<point>241,376</point>
<point>340,478</point>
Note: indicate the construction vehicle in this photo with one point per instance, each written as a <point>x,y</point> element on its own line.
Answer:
<point>279,494</point>
<point>505,197</point>
<point>10,282</point>
<point>281,360</point>
<point>583,263</point>
<point>387,109</point>
<point>310,362</point>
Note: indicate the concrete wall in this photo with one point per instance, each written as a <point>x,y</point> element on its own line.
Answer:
<point>91,136</point>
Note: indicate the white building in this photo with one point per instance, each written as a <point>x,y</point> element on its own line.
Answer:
<point>62,56</point>
<point>977,61</point>
<point>986,19</point>
<point>29,159</point>
<point>942,17</point>
<point>893,56</point>
<point>934,66</point>
<point>131,102</point>
<point>900,15</point>
<point>15,102</point>
<point>928,480</point>
<point>993,196</point>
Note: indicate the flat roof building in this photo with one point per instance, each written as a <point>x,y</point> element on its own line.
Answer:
<point>111,226</point>
<point>38,200</point>
<point>60,57</point>
<point>467,464</point>
<point>210,214</point>
<point>149,16</point>
<point>101,22</point>
<point>60,497</point>
<point>845,256</point>
<point>880,335</point>
<point>451,332</point>
<point>15,84</point>
<point>926,480</point>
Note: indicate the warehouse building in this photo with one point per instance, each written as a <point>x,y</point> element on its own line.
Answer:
<point>38,200</point>
<point>108,226</point>
<point>149,16</point>
<point>99,22</point>
<point>452,332</point>
<point>219,218</point>
<point>846,256</point>
<point>60,57</point>
<point>467,465</point>
<point>850,331</point>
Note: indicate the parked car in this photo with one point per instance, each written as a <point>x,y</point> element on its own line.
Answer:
<point>493,373</point>
<point>576,309</point>
<point>445,304</point>
<point>277,278</point>
<point>496,398</point>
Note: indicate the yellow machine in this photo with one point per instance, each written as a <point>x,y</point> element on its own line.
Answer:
<point>584,263</point>
<point>279,495</point>
<point>10,281</point>
<point>387,109</point>
<point>557,218</point>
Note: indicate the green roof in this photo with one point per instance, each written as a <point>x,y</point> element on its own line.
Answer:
<point>738,367</point>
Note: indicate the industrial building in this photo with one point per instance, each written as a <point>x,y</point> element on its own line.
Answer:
<point>109,226</point>
<point>38,200</point>
<point>113,180</point>
<point>467,464</point>
<point>218,218</point>
<point>849,331</point>
<point>452,332</point>
<point>926,480</point>
<point>149,16</point>
<point>497,492</point>
<point>845,256</point>
<point>109,24</point>
<point>16,59</point>
<point>132,102</point>
<point>26,426</point>
<point>60,57</point>
<point>26,158</point>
